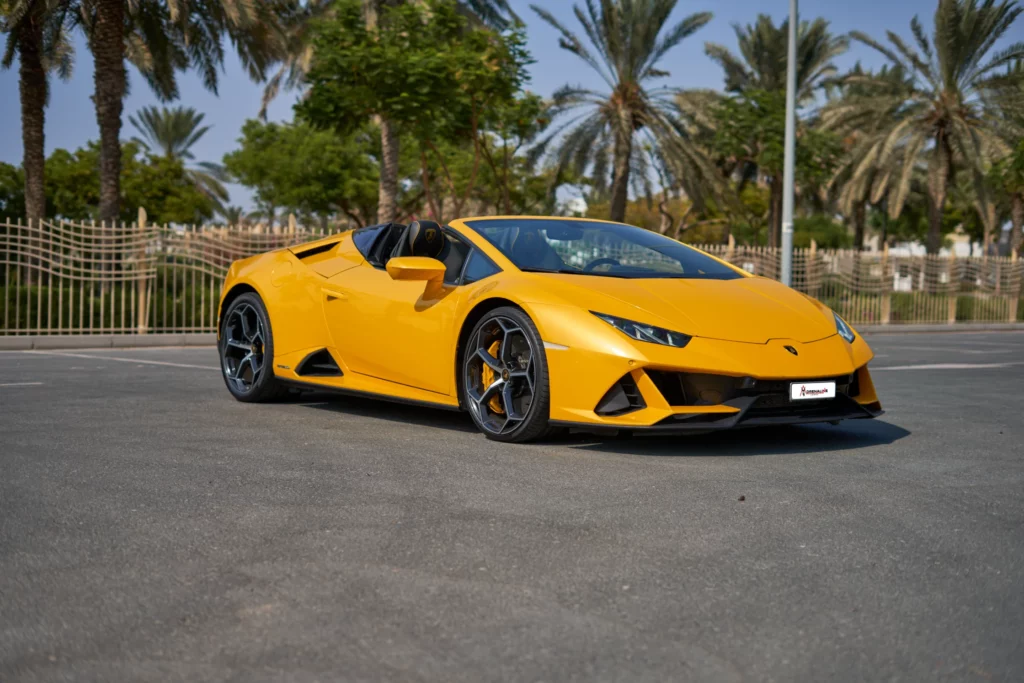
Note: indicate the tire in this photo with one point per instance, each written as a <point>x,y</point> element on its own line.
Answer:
<point>246,351</point>
<point>491,383</point>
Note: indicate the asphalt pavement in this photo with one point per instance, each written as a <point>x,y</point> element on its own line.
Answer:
<point>153,529</point>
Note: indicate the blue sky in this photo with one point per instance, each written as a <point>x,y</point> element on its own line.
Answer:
<point>71,118</point>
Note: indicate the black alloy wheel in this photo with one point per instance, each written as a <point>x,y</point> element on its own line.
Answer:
<point>247,351</point>
<point>505,378</point>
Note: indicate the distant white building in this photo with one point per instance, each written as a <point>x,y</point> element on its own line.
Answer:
<point>576,206</point>
<point>959,241</point>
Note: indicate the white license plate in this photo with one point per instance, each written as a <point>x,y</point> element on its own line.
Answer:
<point>803,391</point>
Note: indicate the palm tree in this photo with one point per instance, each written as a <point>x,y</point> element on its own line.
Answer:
<point>863,176</point>
<point>763,60</point>
<point>948,114</point>
<point>165,37</point>
<point>234,216</point>
<point>1008,177</point>
<point>172,133</point>
<point>298,57</point>
<point>627,41</point>
<point>762,65</point>
<point>38,35</point>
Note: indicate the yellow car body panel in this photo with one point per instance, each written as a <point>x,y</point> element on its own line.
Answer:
<point>399,339</point>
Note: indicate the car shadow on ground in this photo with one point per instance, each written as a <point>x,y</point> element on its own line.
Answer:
<point>848,435</point>
<point>385,410</point>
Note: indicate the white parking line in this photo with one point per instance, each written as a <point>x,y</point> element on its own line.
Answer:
<point>123,360</point>
<point>21,384</point>
<point>947,366</point>
<point>958,349</point>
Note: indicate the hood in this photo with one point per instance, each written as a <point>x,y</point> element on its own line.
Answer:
<point>749,309</point>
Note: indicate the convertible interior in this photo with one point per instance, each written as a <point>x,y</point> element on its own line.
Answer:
<point>421,238</point>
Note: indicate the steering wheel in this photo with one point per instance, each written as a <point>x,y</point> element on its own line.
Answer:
<point>589,268</point>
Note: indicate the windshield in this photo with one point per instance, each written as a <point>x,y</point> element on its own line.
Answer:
<point>590,248</point>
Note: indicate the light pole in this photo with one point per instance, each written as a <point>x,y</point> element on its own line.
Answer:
<point>787,171</point>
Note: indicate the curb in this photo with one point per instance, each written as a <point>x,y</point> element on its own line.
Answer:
<point>940,329</point>
<point>105,341</point>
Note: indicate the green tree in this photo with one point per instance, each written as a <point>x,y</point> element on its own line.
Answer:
<point>761,66</point>
<point>172,133</point>
<point>421,72</point>
<point>628,40</point>
<point>300,32</point>
<point>12,191</point>
<point>511,127</point>
<point>826,232</point>
<point>314,172</point>
<point>37,34</point>
<point>750,132</point>
<point>160,184</point>
<point>949,110</point>
<point>299,20</point>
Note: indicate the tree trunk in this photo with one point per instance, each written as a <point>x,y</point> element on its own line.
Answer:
<point>33,116</point>
<point>387,197</point>
<point>938,179</point>
<point>387,202</point>
<point>1017,219</point>
<point>371,11</point>
<point>620,182</point>
<point>107,46</point>
<point>667,221</point>
<point>775,212</point>
<point>859,220</point>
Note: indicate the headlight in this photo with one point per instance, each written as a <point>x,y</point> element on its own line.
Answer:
<point>843,329</point>
<point>646,333</point>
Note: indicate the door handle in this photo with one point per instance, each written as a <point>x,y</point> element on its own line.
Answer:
<point>332,294</point>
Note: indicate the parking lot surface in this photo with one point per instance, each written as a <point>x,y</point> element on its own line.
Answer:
<point>153,529</point>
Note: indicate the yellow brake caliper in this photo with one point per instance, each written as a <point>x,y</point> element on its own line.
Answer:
<point>489,377</point>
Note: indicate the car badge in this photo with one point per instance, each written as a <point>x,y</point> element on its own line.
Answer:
<point>792,350</point>
<point>431,233</point>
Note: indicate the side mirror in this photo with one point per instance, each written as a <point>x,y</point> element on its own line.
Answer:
<point>414,268</point>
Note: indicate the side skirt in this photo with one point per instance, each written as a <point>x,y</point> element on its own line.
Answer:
<point>310,386</point>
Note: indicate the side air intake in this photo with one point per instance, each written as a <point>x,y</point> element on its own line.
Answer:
<point>318,364</point>
<point>313,251</point>
<point>624,397</point>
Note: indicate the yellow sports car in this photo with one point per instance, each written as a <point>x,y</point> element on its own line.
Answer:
<point>536,324</point>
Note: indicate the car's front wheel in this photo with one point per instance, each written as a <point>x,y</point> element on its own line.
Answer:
<point>505,377</point>
<point>247,351</point>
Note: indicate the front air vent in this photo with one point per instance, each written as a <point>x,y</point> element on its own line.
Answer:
<point>318,364</point>
<point>705,389</point>
<point>624,397</point>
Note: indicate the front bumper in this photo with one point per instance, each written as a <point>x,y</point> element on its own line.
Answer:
<point>751,411</point>
<point>582,375</point>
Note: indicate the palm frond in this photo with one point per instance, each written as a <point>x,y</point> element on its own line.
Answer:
<point>169,132</point>
<point>625,42</point>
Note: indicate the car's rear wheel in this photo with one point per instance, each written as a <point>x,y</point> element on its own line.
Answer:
<point>505,377</point>
<point>247,351</point>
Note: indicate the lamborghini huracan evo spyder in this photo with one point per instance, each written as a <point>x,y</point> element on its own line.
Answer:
<point>534,324</point>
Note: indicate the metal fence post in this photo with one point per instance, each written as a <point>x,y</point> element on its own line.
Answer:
<point>141,285</point>
<point>1015,278</point>
<point>951,270</point>
<point>887,286</point>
